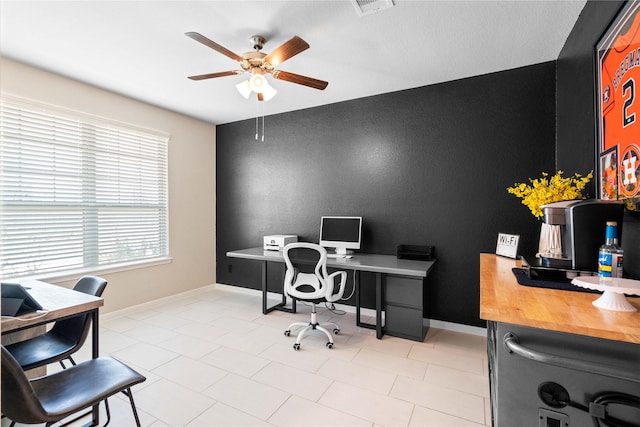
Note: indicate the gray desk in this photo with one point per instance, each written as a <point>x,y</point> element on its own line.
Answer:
<point>399,288</point>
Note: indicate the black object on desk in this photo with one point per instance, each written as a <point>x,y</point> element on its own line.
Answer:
<point>561,284</point>
<point>16,300</point>
<point>416,252</point>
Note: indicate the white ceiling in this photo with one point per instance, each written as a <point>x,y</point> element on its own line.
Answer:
<point>138,48</point>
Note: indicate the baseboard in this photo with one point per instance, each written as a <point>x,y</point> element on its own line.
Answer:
<point>439,324</point>
<point>458,327</point>
<point>156,302</point>
<point>246,291</point>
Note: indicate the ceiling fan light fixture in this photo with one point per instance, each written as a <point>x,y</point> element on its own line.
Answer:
<point>258,83</point>
<point>268,92</point>
<point>244,88</point>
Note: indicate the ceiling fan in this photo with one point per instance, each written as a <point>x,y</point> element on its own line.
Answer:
<point>259,64</point>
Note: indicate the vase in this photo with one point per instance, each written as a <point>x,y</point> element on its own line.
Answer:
<point>550,244</point>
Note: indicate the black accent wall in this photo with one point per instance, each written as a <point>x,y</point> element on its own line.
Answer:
<point>576,92</point>
<point>424,166</point>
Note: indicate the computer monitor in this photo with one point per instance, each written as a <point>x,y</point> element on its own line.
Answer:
<point>341,232</point>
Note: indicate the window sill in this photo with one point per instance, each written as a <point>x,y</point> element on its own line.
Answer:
<point>115,268</point>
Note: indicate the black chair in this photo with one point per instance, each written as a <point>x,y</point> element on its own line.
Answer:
<point>54,397</point>
<point>64,338</point>
<point>306,279</point>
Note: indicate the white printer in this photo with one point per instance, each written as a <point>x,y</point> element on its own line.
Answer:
<point>277,242</point>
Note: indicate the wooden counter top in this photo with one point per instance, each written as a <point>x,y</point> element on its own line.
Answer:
<point>502,299</point>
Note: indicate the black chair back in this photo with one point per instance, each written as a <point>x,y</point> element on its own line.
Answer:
<point>76,328</point>
<point>304,259</point>
<point>19,401</point>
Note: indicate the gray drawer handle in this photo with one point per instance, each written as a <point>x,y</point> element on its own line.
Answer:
<point>512,345</point>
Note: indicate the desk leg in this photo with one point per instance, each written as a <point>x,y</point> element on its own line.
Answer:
<point>379,299</point>
<point>281,305</point>
<point>357,285</point>
<point>359,322</point>
<point>95,350</point>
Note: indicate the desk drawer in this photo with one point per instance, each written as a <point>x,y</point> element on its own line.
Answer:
<point>404,322</point>
<point>404,290</point>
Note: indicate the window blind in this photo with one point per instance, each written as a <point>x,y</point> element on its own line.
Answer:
<point>78,191</point>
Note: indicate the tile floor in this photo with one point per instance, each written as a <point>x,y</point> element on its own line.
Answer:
<point>212,358</point>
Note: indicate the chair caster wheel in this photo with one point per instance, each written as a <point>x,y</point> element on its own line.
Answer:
<point>336,331</point>
<point>296,346</point>
<point>330,344</point>
<point>287,333</point>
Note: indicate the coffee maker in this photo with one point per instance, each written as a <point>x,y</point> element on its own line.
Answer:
<point>583,225</point>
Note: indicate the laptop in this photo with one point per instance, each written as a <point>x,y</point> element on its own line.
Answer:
<point>16,300</point>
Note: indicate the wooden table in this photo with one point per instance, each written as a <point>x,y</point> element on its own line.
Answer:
<point>554,339</point>
<point>58,303</point>
<point>502,299</point>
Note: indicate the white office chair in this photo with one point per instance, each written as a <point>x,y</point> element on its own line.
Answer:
<point>306,279</point>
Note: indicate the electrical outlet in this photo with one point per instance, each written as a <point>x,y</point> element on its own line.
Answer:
<point>549,418</point>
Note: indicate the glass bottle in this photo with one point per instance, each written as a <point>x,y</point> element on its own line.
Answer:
<point>610,255</point>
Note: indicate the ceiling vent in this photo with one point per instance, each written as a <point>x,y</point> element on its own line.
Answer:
<point>366,7</point>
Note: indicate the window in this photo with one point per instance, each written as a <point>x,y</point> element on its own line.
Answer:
<point>78,192</point>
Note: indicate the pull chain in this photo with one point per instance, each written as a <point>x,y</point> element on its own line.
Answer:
<point>257,125</point>
<point>256,128</point>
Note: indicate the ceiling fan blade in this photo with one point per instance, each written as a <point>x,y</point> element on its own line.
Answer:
<point>288,49</point>
<point>213,75</point>
<point>301,80</point>
<point>215,46</point>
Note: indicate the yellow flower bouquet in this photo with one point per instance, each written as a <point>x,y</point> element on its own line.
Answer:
<point>545,189</point>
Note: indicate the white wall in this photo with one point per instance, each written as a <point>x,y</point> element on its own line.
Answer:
<point>192,186</point>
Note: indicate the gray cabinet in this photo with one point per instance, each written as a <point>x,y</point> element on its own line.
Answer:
<point>403,307</point>
<point>560,379</point>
